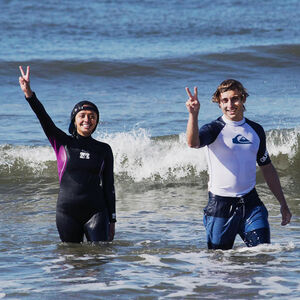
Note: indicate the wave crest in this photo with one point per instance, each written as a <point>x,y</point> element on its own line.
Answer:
<point>139,157</point>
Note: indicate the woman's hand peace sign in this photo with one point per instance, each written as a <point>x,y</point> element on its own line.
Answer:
<point>192,104</point>
<point>24,81</point>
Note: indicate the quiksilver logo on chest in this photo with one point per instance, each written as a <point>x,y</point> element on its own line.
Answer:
<point>239,139</point>
<point>84,155</point>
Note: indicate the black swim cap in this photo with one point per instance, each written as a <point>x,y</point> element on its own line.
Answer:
<point>82,105</point>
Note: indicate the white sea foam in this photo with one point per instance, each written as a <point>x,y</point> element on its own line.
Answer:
<point>274,285</point>
<point>24,156</point>
<point>141,157</point>
<point>76,279</point>
<point>100,286</point>
<point>262,248</point>
<point>283,142</point>
<point>152,260</point>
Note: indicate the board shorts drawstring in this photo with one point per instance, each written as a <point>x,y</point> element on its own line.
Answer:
<point>241,203</point>
<point>224,207</point>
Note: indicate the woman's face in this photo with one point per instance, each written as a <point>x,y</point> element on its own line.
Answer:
<point>85,122</point>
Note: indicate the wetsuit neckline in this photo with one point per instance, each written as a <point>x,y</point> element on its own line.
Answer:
<point>81,137</point>
<point>233,123</point>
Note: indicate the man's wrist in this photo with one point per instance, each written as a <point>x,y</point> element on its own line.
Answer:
<point>284,205</point>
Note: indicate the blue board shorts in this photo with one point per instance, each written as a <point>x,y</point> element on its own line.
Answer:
<point>225,217</point>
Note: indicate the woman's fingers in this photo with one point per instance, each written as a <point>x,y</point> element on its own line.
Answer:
<point>22,72</point>
<point>27,73</point>
<point>196,92</point>
<point>25,76</point>
<point>189,92</point>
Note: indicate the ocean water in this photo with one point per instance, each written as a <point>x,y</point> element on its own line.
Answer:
<point>134,60</point>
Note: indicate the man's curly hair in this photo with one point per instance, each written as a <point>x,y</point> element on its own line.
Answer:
<point>229,85</point>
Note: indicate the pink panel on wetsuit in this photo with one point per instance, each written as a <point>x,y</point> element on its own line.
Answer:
<point>61,157</point>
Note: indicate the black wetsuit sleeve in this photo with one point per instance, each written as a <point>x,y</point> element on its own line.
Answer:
<point>108,185</point>
<point>52,132</point>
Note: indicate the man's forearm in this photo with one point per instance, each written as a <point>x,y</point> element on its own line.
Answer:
<point>273,182</point>
<point>192,132</point>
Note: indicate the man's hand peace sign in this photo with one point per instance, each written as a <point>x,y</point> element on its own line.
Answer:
<point>25,82</point>
<point>192,104</point>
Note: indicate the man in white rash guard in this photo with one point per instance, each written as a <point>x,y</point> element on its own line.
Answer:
<point>233,146</point>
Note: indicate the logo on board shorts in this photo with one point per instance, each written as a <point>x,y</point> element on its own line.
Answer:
<point>84,155</point>
<point>239,139</point>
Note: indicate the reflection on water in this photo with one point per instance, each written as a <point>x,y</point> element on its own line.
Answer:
<point>159,251</point>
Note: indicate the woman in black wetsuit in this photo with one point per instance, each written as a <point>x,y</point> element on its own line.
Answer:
<point>86,199</point>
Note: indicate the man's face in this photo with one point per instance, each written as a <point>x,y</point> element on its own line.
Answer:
<point>232,105</point>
